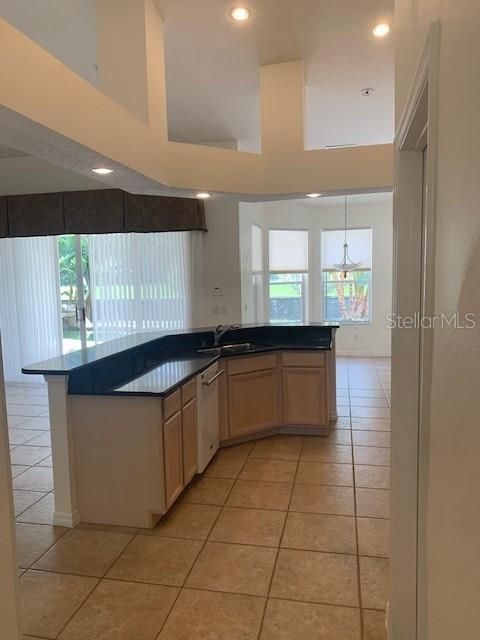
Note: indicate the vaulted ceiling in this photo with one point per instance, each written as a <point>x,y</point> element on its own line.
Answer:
<point>212,68</point>
<point>222,80</point>
<point>212,65</point>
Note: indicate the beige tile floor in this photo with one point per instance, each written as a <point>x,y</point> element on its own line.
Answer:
<point>280,539</point>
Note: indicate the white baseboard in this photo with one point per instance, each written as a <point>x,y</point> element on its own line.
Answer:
<point>364,354</point>
<point>64,519</point>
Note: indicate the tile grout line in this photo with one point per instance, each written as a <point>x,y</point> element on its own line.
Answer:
<point>262,622</point>
<point>359,581</point>
<point>44,495</point>
<point>30,567</point>
<point>222,510</point>
<point>99,581</point>
<point>182,587</point>
<point>216,591</point>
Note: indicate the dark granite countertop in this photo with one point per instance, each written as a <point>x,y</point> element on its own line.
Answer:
<point>171,374</point>
<point>68,362</point>
<point>156,363</point>
<point>164,378</point>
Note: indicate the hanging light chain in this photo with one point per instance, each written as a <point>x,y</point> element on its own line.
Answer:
<point>347,265</point>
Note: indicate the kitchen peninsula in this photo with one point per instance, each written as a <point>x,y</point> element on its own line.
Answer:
<point>133,420</point>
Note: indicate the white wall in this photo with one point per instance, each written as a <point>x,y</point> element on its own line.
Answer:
<point>66,28</point>
<point>221,264</point>
<point>375,211</point>
<point>452,508</point>
<point>250,214</point>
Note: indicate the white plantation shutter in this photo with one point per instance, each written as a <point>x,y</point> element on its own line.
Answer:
<point>140,282</point>
<point>288,251</point>
<point>359,247</point>
<point>29,304</point>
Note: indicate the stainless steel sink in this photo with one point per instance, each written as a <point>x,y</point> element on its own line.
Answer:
<point>226,348</point>
<point>235,348</point>
<point>211,351</point>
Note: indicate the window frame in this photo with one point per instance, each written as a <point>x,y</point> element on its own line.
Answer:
<point>258,301</point>
<point>356,323</point>
<point>305,297</point>
<point>306,285</point>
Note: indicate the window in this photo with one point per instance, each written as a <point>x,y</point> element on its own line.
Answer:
<point>140,282</point>
<point>257,272</point>
<point>288,276</point>
<point>347,299</point>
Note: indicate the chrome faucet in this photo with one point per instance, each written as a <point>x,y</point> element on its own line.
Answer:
<point>220,331</point>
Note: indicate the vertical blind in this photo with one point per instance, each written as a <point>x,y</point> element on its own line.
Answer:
<point>29,303</point>
<point>359,247</point>
<point>140,282</point>
<point>288,251</point>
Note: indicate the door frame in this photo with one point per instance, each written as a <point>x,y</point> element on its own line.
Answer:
<point>9,596</point>
<point>80,308</point>
<point>80,312</point>
<point>414,261</point>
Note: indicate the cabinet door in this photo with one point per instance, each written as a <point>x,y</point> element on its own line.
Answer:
<point>189,440</point>
<point>172,452</point>
<point>252,401</point>
<point>305,397</point>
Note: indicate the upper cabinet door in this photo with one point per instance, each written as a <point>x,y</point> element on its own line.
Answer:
<point>189,431</point>
<point>252,401</point>
<point>173,458</point>
<point>304,397</point>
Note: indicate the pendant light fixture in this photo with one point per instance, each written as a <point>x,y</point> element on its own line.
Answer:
<point>346,266</point>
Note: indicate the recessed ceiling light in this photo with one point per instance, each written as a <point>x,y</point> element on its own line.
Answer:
<point>381,30</point>
<point>368,91</point>
<point>313,195</point>
<point>203,195</point>
<point>102,171</point>
<point>240,14</point>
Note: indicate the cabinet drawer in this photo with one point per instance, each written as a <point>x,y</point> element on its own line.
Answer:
<point>251,363</point>
<point>171,404</point>
<point>303,358</point>
<point>189,391</point>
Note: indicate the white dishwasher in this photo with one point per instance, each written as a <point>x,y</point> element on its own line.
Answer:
<point>208,414</point>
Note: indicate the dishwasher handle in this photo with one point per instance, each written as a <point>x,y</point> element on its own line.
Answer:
<point>207,383</point>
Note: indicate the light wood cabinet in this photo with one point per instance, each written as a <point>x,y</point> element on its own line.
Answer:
<point>305,398</point>
<point>142,471</point>
<point>173,458</point>
<point>171,404</point>
<point>189,440</point>
<point>252,401</point>
<point>303,359</point>
<point>250,364</point>
<point>189,391</point>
